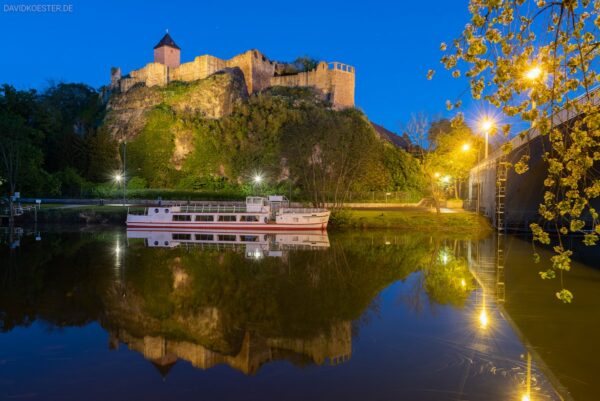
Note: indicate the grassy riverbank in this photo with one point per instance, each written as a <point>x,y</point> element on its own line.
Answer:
<point>79,215</point>
<point>415,220</point>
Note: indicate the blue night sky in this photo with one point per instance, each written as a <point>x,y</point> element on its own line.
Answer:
<point>392,44</point>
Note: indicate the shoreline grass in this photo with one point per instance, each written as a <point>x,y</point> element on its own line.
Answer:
<point>416,220</point>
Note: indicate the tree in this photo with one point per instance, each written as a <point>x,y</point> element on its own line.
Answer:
<point>417,130</point>
<point>532,59</point>
<point>328,151</point>
<point>457,150</point>
<point>306,63</point>
<point>17,154</point>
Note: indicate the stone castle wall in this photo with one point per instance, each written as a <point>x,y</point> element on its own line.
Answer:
<point>336,80</point>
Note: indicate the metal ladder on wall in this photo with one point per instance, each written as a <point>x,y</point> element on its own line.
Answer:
<point>501,175</point>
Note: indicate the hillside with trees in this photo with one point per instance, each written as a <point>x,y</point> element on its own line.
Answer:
<point>201,136</point>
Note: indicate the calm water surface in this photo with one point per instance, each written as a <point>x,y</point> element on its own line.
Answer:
<point>120,315</point>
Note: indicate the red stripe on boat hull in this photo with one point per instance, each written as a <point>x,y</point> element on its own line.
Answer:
<point>261,227</point>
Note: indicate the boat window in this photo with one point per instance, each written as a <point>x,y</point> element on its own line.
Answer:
<point>204,237</point>
<point>226,237</point>
<point>227,218</point>
<point>155,210</point>
<point>182,217</point>
<point>249,238</point>
<point>248,218</point>
<point>295,219</point>
<point>205,217</point>
<point>166,210</point>
<point>177,236</point>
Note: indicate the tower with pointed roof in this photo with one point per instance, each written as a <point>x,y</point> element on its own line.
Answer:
<point>167,52</point>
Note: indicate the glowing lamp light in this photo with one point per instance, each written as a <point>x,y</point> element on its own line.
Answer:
<point>466,147</point>
<point>437,175</point>
<point>446,179</point>
<point>118,177</point>
<point>463,283</point>
<point>483,319</point>
<point>525,397</point>
<point>258,179</point>
<point>533,73</point>
<point>487,124</point>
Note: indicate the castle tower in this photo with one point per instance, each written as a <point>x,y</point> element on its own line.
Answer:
<point>167,52</point>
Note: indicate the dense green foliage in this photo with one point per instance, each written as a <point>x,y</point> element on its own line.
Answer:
<point>291,137</point>
<point>287,135</point>
<point>50,143</point>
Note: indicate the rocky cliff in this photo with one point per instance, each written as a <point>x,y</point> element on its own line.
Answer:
<point>213,97</point>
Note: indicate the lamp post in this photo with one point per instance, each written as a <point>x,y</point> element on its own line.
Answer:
<point>486,125</point>
<point>120,179</point>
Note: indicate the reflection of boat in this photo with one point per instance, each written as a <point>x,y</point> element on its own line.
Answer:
<point>257,213</point>
<point>256,244</point>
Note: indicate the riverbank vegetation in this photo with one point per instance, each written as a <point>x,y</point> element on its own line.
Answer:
<point>290,137</point>
<point>459,222</point>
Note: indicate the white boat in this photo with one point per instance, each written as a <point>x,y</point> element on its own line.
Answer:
<point>258,213</point>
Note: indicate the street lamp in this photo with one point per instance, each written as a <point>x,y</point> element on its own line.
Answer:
<point>120,178</point>
<point>533,75</point>
<point>466,147</point>
<point>487,124</point>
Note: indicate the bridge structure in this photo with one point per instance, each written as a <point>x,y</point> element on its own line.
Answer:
<point>508,199</point>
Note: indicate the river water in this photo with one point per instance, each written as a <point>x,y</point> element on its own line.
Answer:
<point>367,315</point>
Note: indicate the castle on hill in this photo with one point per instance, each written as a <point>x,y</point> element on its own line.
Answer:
<point>335,80</point>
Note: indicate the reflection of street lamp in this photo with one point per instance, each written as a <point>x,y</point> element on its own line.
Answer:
<point>483,318</point>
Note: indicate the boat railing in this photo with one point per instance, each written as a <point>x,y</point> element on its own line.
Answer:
<point>302,210</point>
<point>213,209</point>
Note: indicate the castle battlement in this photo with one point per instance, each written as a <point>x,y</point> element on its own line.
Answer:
<point>334,79</point>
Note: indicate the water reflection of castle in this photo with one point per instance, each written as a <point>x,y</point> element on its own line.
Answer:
<point>255,245</point>
<point>209,339</point>
<point>335,347</point>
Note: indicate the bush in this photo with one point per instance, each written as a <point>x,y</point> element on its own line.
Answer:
<point>137,183</point>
